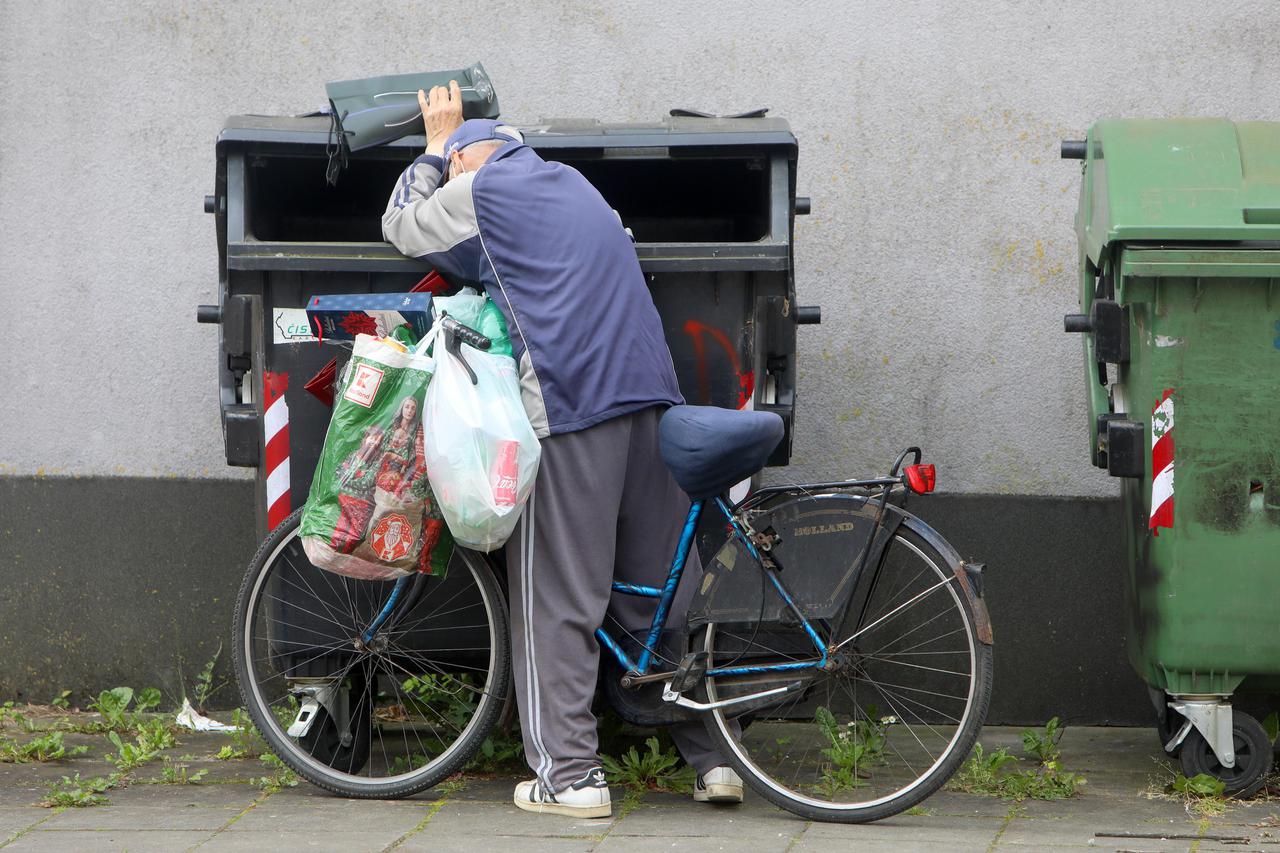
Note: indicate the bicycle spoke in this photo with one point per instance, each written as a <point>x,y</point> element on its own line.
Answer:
<point>395,686</point>
<point>899,609</point>
<point>910,731</point>
<point>412,626</point>
<point>437,668</point>
<point>443,719</point>
<point>296,606</point>
<point>913,701</point>
<point>911,631</point>
<point>434,614</point>
<point>917,666</point>
<point>889,599</point>
<point>899,712</point>
<point>303,578</point>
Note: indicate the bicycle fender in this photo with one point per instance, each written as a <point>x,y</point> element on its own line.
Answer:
<point>968,575</point>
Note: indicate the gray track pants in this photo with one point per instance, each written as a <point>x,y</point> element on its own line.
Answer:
<point>604,507</point>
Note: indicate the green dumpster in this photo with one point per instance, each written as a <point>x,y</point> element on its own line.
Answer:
<point>1179,236</point>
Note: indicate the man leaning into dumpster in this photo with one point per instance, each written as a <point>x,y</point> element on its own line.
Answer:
<point>595,376</point>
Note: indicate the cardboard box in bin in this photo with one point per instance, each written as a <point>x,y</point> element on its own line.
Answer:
<point>340,317</point>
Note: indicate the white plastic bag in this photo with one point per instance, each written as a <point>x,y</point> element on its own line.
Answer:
<point>480,451</point>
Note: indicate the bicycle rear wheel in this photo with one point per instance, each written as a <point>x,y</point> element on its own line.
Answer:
<point>893,715</point>
<point>383,719</point>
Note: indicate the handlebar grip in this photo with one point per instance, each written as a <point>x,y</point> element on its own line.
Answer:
<point>466,334</point>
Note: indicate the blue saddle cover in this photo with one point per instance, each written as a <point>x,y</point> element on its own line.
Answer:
<point>708,449</point>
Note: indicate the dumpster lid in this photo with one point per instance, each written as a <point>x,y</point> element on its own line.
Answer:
<point>669,132</point>
<point>1180,180</point>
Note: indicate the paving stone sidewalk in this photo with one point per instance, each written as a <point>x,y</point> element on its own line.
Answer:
<point>226,812</point>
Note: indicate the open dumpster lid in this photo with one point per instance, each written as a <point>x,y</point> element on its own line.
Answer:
<point>1180,180</point>
<point>670,132</point>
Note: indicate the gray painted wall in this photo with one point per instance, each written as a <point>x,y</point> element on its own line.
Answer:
<point>940,247</point>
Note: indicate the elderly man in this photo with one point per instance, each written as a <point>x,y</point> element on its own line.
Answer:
<point>595,375</point>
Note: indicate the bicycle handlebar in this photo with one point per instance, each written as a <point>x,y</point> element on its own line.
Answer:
<point>466,334</point>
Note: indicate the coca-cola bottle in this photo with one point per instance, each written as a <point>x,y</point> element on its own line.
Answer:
<point>504,474</point>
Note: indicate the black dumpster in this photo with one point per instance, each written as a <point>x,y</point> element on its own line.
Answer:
<point>711,203</point>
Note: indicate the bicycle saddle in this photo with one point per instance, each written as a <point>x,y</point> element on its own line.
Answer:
<point>708,449</point>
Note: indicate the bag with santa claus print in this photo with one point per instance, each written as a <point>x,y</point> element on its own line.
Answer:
<point>371,513</point>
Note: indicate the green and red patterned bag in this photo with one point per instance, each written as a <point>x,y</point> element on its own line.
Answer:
<point>371,514</point>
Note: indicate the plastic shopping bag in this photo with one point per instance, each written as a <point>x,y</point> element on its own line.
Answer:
<point>481,453</point>
<point>371,514</point>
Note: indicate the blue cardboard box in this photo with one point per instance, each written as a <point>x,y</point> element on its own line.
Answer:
<point>340,317</point>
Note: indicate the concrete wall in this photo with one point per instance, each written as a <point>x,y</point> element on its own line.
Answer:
<point>940,246</point>
<point>940,249</point>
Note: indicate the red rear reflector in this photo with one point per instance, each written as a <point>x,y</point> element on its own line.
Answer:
<point>920,478</point>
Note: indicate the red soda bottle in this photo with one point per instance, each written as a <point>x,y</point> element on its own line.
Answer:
<point>505,471</point>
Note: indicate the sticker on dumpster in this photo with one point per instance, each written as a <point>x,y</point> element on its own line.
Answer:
<point>1162,464</point>
<point>275,423</point>
<point>292,326</point>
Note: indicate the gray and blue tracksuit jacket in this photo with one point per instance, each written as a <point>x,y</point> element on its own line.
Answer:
<point>555,259</point>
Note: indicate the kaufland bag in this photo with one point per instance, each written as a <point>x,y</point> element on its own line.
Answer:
<point>481,453</point>
<point>371,514</point>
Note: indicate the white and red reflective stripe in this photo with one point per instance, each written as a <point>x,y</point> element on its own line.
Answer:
<point>1162,464</point>
<point>275,421</point>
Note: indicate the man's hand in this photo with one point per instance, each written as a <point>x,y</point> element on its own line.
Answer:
<point>441,113</point>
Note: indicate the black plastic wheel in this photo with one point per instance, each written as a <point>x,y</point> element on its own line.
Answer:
<point>346,751</point>
<point>1253,757</point>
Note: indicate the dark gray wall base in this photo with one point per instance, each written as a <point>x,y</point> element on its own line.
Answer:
<point>1055,592</point>
<point>118,581</point>
<point>132,581</point>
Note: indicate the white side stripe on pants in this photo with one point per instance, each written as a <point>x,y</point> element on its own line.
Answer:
<point>533,693</point>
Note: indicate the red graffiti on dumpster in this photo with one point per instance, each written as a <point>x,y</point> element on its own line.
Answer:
<point>746,380</point>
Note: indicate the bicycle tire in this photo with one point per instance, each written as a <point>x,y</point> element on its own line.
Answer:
<point>452,757</point>
<point>915,535</point>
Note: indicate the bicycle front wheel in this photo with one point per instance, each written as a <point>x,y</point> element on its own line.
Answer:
<point>379,719</point>
<point>892,715</point>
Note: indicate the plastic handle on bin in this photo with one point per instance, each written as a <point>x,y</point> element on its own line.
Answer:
<point>1077,323</point>
<point>1074,149</point>
<point>208,314</point>
<point>1262,216</point>
<point>808,315</point>
<point>803,205</point>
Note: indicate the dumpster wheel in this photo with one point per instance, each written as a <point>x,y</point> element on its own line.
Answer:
<point>1253,757</point>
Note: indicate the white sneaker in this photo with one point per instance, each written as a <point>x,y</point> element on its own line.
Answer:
<point>588,797</point>
<point>718,785</point>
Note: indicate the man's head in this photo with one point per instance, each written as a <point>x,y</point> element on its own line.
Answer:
<point>474,142</point>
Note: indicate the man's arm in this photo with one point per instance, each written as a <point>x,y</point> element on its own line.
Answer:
<point>424,219</point>
<point>438,224</point>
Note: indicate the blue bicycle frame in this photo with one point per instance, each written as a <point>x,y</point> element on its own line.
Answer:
<point>668,593</point>
<point>665,596</point>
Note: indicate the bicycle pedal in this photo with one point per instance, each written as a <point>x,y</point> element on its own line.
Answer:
<point>692,669</point>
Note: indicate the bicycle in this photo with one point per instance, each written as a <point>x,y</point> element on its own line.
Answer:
<point>844,680</point>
